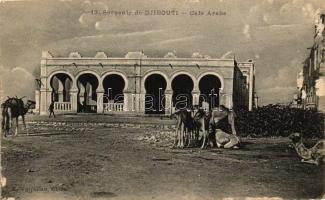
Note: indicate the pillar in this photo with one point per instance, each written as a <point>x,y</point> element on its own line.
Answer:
<point>74,99</point>
<point>60,94</point>
<point>196,97</point>
<point>136,98</point>
<point>230,102</point>
<point>129,102</point>
<point>100,100</point>
<point>49,98</point>
<point>141,102</point>
<point>43,104</point>
<point>45,100</point>
<point>37,101</point>
<point>168,102</point>
<point>226,100</point>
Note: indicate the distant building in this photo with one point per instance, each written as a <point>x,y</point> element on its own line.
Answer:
<point>311,80</point>
<point>137,84</point>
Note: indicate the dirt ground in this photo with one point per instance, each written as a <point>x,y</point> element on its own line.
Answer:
<point>137,163</point>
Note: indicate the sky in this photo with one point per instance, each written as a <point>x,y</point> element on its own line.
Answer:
<point>275,34</point>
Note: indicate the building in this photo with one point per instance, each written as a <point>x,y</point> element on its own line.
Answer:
<point>137,84</point>
<point>311,80</point>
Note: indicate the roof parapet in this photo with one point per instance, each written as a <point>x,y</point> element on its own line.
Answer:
<point>101,54</point>
<point>75,55</point>
<point>136,54</point>
<point>170,55</point>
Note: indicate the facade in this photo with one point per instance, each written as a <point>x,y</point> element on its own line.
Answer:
<point>136,84</point>
<point>311,80</point>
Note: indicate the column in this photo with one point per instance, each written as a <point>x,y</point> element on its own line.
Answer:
<point>74,99</point>
<point>196,97</point>
<point>129,102</point>
<point>141,102</point>
<point>49,98</point>
<point>37,98</point>
<point>60,91</point>
<point>226,100</point>
<point>60,94</point>
<point>43,102</point>
<point>100,100</point>
<point>229,102</point>
<point>168,102</point>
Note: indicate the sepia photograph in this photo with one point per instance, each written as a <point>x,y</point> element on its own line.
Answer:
<point>162,99</point>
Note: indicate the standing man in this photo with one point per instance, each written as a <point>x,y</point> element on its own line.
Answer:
<point>51,109</point>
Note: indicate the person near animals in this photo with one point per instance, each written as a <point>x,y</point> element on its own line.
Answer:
<point>51,109</point>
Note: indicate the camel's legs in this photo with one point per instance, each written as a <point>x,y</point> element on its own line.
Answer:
<point>310,161</point>
<point>201,134</point>
<point>204,140</point>
<point>182,136</point>
<point>16,132</point>
<point>195,136</point>
<point>319,159</point>
<point>5,125</point>
<point>232,142</point>
<point>23,117</point>
<point>9,118</point>
<point>178,135</point>
<point>176,139</point>
<point>185,137</point>
<point>192,137</point>
<point>179,139</point>
<point>189,138</point>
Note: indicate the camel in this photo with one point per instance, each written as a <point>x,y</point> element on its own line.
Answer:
<point>201,124</point>
<point>12,108</point>
<point>225,140</point>
<point>178,139</point>
<point>314,155</point>
<point>185,128</point>
<point>192,126</point>
<point>214,119</point>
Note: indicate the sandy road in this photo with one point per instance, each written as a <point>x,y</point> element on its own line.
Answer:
<point>112,163</point>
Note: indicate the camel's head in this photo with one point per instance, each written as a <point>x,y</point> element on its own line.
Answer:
<point>200,114</point>
<point>177,114</point>
<point>295,137</point>
<point>30,104</point>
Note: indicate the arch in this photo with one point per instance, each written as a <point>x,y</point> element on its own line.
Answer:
<point>209,86</point>
<point>182,86</point>
<point>155,86</point>
<point>126,81</point>
<point>114,87</point>
<point>49,77</point>
<point>89,72</point>
<point>59,84</point>
<point>174,74</point>
<point>87,100</point>
<point>212,73</point>
<point>147,74</point>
